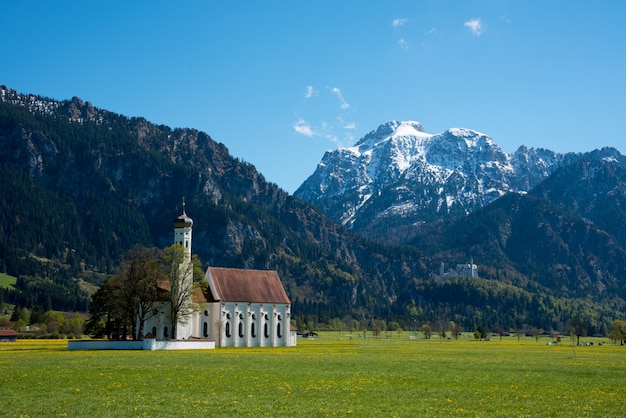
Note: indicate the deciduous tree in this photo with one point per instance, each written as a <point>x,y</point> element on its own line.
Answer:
<point>125,301</point>
<point>577,327</point>
<point>179,275</point>
<point>618,331</point>
<point>140,274</point>
<point>536,332</point>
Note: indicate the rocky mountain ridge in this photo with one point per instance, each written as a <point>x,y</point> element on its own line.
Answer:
<point>400,175</point>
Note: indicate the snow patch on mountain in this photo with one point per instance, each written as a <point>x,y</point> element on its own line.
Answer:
<point>400,170</point>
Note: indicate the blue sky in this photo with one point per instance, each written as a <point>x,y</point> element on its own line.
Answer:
<point>281,82</point>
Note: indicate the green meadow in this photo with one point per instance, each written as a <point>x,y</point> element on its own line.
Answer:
<point>7,281</point>
<point>329,376</point>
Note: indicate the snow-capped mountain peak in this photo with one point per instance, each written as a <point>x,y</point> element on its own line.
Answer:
<point>400,171</point>
<point>390,132</point>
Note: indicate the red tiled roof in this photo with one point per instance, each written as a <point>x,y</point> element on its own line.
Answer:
<point>7,333</point>
<point>198,294</point>
<point>237,285</point>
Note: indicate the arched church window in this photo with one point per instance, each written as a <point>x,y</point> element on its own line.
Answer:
<point>241,316</point>
<point>165,333</point>
<point>228,330</point>
<point>278,331</point>
<point>206,313</point>
<point>241,330</point>
<point>266,330</point>
<point>254,317</point>
<point>154,331</point>
<point>205,330</point>
<point>253,330</point>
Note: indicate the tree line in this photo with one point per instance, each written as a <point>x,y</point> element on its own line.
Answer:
<point>40,323</point>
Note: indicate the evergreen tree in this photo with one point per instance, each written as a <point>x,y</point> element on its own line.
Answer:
<point>17,313</point>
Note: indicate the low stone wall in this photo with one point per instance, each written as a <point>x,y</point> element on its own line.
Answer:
<point>104,345</point>
<point>152,344</point>
<point>147,344</point>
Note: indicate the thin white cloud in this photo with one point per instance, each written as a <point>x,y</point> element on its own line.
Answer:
<point>344,124</point>
<point>335,130</point>
<point>310,92</point>
<point>403,43</point>
<point>397,22</point>
<point>429,36</point>
<point>303,128</point>
<point>342,101</point>
<point>475,26</point>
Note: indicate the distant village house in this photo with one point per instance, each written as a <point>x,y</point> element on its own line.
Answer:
<point>8,336</point>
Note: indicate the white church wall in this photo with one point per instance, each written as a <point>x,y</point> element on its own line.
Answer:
<point>202,321</point>
<point>253,325</point>
<point>184,328</point>
<point>159,324</point>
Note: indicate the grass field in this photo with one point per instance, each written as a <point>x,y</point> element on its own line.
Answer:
<point>329,376</point>
<point>7,281</point>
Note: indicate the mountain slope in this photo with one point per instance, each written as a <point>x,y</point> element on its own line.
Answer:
<point>84,185</point>
<point>564,255</point>
<point>119,181</point>
<point>547,263</point>
<point>398,176</point>
<point>595,189</point>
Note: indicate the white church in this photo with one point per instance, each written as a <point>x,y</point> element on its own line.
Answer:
<point>241,308</point>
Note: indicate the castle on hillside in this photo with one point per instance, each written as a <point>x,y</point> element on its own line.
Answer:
<point>238,307</point>
<point>462,270</point>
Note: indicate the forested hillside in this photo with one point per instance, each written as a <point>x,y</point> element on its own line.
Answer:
<point>81,186</point>
<point>110,182</point>
<point>547,263</point>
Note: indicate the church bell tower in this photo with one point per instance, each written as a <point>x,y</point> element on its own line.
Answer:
<point>182,232</point>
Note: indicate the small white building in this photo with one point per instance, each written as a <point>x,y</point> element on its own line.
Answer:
<point>462,270</point>
<point>467,270</point>
<point>233,307</point>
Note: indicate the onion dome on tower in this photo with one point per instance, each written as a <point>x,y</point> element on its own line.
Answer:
<point>183,221</point>
<point>182,232</point>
